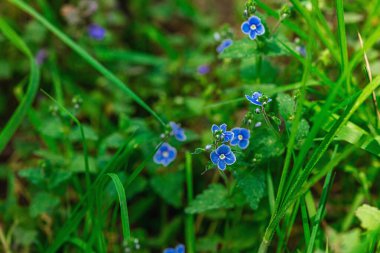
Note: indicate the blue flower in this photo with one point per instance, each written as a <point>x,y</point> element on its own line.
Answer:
<point>42,54</point>
<point>203,69</point>
<point>255,98</point>
<point>241,137</point>
<point>222,157</point>
<point>177,131</point>
<point>253,27</point>
<point>225,43</point>
<point>179,249</point>
<point>96,32</point>
<point>221,133</point>
<point>165,154</point>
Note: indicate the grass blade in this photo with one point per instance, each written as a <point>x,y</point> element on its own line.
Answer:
<point>295,191</point>
<point>343,43</point>
<point>123,206</point>
<point>31,92</point>
<point>321,208</point>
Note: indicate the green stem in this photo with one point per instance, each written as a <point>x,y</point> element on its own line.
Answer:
<point>190,233</point>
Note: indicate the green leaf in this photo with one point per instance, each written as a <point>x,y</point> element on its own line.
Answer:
<point>34,175</point>
<point>89,133</point>
<point>78,164</point>
<point>286,105</point>
<point>169,187</point>
<point>214,197</point>
<point>302,132</point>
<point>53,128</point>
<point>24,236</point>
<point>253,185</point>
<point>369,217</point>
<point>240,49</point>
<point>266,144</point>
<point>43,202</point>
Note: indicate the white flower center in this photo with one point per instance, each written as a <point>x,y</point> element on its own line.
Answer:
<point>222,156</point>
<point>253,27</point>
<point>240,137</point>
<point>165,154</point>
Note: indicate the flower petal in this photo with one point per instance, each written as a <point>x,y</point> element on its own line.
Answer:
<point>223,127</point>
<point>214,128</point>
<point>222,165</point>
<point>254,21</point>
<point>245,133</point>
<point>157,157</point>
<point>230,158</point>
<point>252,34</point>
<point>180,135</point>
<point>228,136</point>
<point>172,154</point>
<point>260,29</point>
<point>214,157</point>
<point>173,125</point>
<point>169,250</point>
<point>243,144</point>
<point>180,248</point>
<point>245,27</point>
<point>234,141</point>
<point>236,131</point>
<point>223,149</point>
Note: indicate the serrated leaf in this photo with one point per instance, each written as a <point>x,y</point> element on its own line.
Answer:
<point>53,128</point>
<point>214,197</point>
<point>253,185</point>
<point>49,179</point>
<point>286,105</point>
<point>302,132</point>
<point>240,49</point>
<point>43,202</point>
<point>89,133</point>
<point>169,187</point>
<point>33,175</point>
<point>78,165</point>
<point>266,144</point>
<point>369,217</point>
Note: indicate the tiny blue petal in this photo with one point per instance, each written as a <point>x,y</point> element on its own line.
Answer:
<point>214,128</point>
<point>177,131</point>
<point>180,248</point>
<point>169,250</point>
<point>221,164</point>
<point>96,32</point>
<point>245,27</point>
<point>214,157</point>
<point>225,43</point>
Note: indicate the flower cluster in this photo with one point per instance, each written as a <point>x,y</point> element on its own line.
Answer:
<point>180,248</point>
<point>167,153</point>
<point>223,155</point>
<point>258,98</point>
